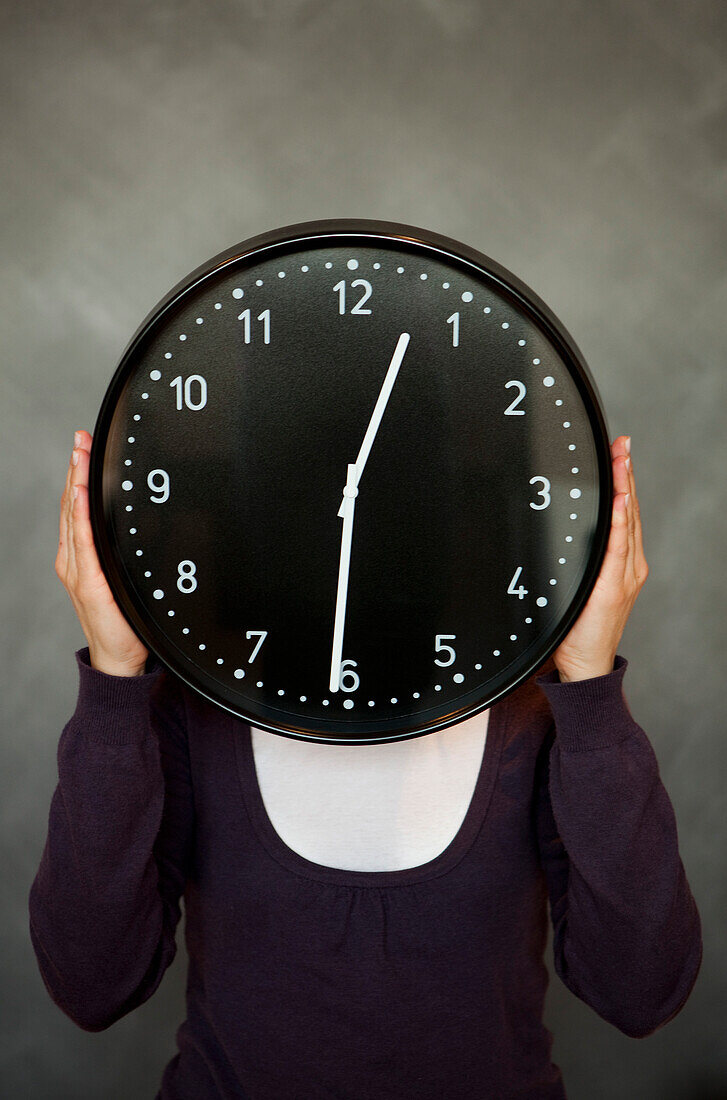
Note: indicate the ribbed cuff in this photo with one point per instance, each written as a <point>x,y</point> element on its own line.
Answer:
<point>114,709</point>
<point>589,714</point>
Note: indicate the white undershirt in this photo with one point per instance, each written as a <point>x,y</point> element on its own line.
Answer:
<point>370,807</point>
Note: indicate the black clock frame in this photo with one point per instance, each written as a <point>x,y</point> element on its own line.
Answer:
<point>342,231</point>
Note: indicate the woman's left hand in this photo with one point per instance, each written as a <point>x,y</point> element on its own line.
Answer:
<point>590,647</point>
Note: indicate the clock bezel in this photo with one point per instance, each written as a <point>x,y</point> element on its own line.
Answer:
<point>384,233</point>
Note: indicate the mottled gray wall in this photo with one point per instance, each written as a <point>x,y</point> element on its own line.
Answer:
<point>581,144</point>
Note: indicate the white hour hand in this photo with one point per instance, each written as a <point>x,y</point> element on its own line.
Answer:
<point>379,407</point>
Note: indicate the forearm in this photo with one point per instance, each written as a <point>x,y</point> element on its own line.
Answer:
<point>97,919</point>
<point>628,933</point>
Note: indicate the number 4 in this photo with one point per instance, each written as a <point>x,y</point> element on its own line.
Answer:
<point>521,592</point>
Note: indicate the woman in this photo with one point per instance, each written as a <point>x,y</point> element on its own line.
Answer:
<point>311,980</point>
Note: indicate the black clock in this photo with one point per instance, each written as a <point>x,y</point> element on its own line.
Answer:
<point>351,481</point>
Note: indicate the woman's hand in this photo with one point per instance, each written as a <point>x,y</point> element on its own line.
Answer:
<point>112,645</point>
<point>589,648</point>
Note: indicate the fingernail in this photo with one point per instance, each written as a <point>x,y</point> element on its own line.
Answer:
<point>77,439</point>
<point>628,444</point>
<point>628,464</point>
<point>74,458</point>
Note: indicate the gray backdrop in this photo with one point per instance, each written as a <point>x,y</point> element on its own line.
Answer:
<point>581,144</point>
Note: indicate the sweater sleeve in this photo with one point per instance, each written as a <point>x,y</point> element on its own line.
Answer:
<point>104,904</point>
<point>627,933</point>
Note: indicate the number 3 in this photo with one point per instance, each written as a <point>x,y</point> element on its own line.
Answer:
<point>544,493</point>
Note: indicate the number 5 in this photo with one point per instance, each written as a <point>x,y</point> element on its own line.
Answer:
<point>439,647</point>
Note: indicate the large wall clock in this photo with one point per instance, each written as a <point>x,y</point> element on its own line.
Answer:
<point>351,481</point>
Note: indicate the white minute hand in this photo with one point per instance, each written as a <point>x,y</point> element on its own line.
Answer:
<point>350,492</point>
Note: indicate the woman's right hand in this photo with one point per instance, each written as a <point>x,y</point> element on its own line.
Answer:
<point>112,644</point>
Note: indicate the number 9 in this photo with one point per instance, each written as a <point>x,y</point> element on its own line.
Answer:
<point>163,488</point>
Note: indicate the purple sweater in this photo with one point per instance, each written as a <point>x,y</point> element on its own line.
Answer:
<point>314,983</point>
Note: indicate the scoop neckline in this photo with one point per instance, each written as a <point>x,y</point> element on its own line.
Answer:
<point>339,876</point>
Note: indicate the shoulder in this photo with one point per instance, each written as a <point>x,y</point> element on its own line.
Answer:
<point>526,707</point>
<point>528,697</point>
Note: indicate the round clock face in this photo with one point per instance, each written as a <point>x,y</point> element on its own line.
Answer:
<point>351,481</point>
